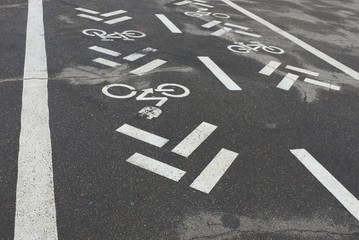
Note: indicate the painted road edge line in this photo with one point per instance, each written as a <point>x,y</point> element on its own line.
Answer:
<point>296,40</point>
<point>347,199</point>
<point>35,200</point>
<point>168,23</point>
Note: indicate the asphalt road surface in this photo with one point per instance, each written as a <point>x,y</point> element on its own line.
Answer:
<point>172,119</point>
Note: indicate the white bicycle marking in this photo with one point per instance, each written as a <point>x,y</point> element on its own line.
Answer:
<point>128,35</point>
<point>243,48</point>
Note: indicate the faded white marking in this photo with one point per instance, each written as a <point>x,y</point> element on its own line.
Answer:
<point>288,81</point>
<point>168,23</point>
<point>105,51</point>
<point>322,84</point>
<point>97,19</point>
<point>86,10</point>
<point>135,56</point>
<point>301,70</point>
<point>182,3</point>
<point>211,24</point>
<point>118,20</point>
<point>270,68</point>
<point>221,31</point>
<point>148,67</point>
<point>248,34</point>
<point>106,62</point>
<point>236,26</point>
<point>114,13</point>
<point>203,5</point>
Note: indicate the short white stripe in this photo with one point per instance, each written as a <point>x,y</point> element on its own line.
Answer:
<point>322,84</point>
<point>214,171</point>
<point>114,13</point>
<point>203,5</point>
<point>211,24</point>
<point>222,76</point>
<point>148,67</point>
<point>142,135</point>
<point>270,68</point>
<point>236,26</point>
<point>168,23</point>
<point>135,56</point>
<point>106,62</point>
<point>90,17</point>
<point>221,31</point>
<point>201,1</point>
<point>86,10</point>
<point>117,20</point>
<point>194,139</point>
<point>288,81</point>
<point>105,51</point>
<point>157,167</point>
<point>301,70</point>
<point>181,3</point>
<point>248,34</point>
<point>347,199</point>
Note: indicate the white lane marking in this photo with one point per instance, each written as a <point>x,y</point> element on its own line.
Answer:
<point>148,67</point>
<point>142,135</point>
<point>347,199</point>
<point>194,139</point>
<point>106,62</point>
<point>211,24</point>
<point>236,26</point>
<point>214,171</point>
<point>248,34</point>
<point>157,167</point>
<point>302,70</point>
<point>322,84</point>
<point>201,1</point>
<point>97,19</point>
<point>203,5</point>
<point>270,68</point>
<point>135,56</point>
<point>35,201</point>
<point>221,31</point>
<point>296,40</point>
<point>288,81</point>
<point>222,76</point>
<point>117,20</point>
<point>114,13</point>
<point>86,10</point>
<point>168,23</point>
<point>182,3</point>
<point>105,51</point>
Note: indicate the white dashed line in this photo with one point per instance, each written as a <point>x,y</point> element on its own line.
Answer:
<point>105,51</point>
<point>118,20</point>
<point>288,81</point>
<point>97,19</point>
<point>168,23</point>
<point>301,70</point>
<point>114,13</point>
<point>270,68</point>
<point>106,62</point>
<point>322,84</point>
<point>148,67</point>
<point>86,10</point>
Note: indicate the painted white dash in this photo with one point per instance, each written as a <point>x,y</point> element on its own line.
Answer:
<point>221,31</point>
<point>322,84</point>
<point>182,3</point>
<point>106,62</point>
<point>236,26</point>
<point>157,167</point>
<point>248,34</point>
<point>214,171</point>
<point>114,13</point>
<point>218,72</point>
<point>347,199</point>
<point>142,135</point>
<point>86,10</point>
<point>194,139</point>
<point>168,23</point>
<point>148,67</point>
<point>302,70</point>
<point>135,56</point>
<point>211,24</point>
<point>201,1</point>
<point>203,5</point>
<point>270,68</point>
<point>118,20</point>
<point>288,81</point>
<point>97,19</point>
<point>105,51</point>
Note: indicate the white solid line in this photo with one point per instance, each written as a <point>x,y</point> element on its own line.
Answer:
<point>194,139</point>
<point>118,20</point>
<point>203,5</point>
<point>221,31</point>
<point>90,17</point>
<point>148,67</point>
<point>214,171</point>
<point>142,135</point>
<point>301,70</point>
<point>114,13</point>
<point>222,76</point>
<point>211,24</point>
<point>157,167</point>
<point>135,56</point>
<point>288,81</point>
<point>236,26</point>
<point>296,40</point>
<point>182,3</point>
<point>105,51</point>
<point>270,68</point>
<point>168,23</point>
<point>35,201</point>
<point>350,202</point>
<point>322,84</point>
<point>248,34</point>
<point>86,10</point>
<point>106,62</point>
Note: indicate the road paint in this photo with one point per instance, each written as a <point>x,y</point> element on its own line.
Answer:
<point>35,201</point>
<point>236,26</point>
<point>182,3</point>
<point>222,76</point>
<point>105,51</point>
<point>114,13</point>
<point>248,34</point>
<point>211,24</point>
<point>347,199</point>
<point>214,171</point>
<point>168,23</point>
<point>322,84</point>
<point>288,81</point>
<point>86,10</point>
<point>203,5</point>
<point>142,135</point>
<point>296,40</point>
<point>157,167</point>
<point>302,70</point>
<point>118,20</point>
<point>148,67</point>
<point>221,31</point>
<point>106,62</point>
<point>97,19</point>
<point>270,68</point>
<point>135,56</point>
<point>194,139</point>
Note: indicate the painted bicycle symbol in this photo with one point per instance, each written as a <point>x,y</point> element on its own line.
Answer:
<point>202,12</point>
<point>242,48</point>
<point>128,35</point>
<point>125,91</point>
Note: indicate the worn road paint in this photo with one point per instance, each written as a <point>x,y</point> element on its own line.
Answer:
<point>106,62</point>
<point>302,70</point>
<point>270,68</point>
<point>194,139</point>
<point>86,10</point>
<point>142,135</point>
<point>322,84</point>
<point>288,81</point>
<point>105,51</point>
<point>211,24</point>
<point>35,201</point>
<point>168,23</point>
<point>114,13</point>
<point>248,34</point>
<point>350,202</point>
<point>236,26</point>
<point>148,67</point>
<point>97,19</point>
<point>118,20</point>
<point>135,56</point>
<point>214,171</point>
<point>221,31</point>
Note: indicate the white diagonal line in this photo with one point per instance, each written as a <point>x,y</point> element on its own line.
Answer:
<point>203,5</point>
<point>168,23</point>
<point>97,19</point>
<point>182,3</point>
<point>114,13</point>
<point>288,81</point>
<point>118,20</point>
<point>270,68</point>
<point>148,67</point>
<point>105,51</point>
<point>322,84</point>
<point>86,10</point>
<point>236,26</point>
<point>135,56</point>
<point>221,31</point>
<point>248,34</point>
<point>211,24</point>
<point>302,70</point>
<point>106,62</point>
